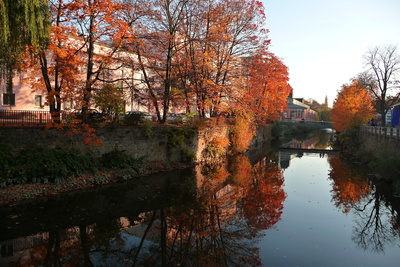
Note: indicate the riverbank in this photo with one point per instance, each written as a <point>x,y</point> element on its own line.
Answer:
<point>38,163</point>
<point>17,193</point>
<point>379,157</point>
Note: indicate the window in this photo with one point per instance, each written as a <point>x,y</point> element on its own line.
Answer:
<point>38,100</point>
<point>9,99</point>
<point>68,104</point>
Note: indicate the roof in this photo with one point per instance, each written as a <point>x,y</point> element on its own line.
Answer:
<point>295,104</point>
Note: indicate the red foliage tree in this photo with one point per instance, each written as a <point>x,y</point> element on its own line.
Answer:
<point>267,87</point>
<point>348,186</point>
<point>263,203</point>
<point>352,106</point>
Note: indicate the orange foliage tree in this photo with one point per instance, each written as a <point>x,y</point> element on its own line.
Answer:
<point>78,60</point>
<point>196,54</point>
<point>352,106</point>
<point>102,31</point>
<point>348,187</point>
<point>54,68</point>
<point>216,36</point>
<point>267,87</point>
<point>263,202</point>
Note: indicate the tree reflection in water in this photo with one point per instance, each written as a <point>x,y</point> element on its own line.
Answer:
<point>376,214</point>
<point>220,228</point>
<point>348,186</point>
<point>234,202</point>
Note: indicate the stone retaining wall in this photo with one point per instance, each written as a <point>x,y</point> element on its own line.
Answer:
<point>375,142</point>
<point>137,141</point>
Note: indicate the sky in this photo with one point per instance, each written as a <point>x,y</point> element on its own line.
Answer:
<point>322,42</point>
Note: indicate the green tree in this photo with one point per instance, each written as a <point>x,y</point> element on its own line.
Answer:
<point>323,110</point>
<point>22,23</point>
<point>110,99</point>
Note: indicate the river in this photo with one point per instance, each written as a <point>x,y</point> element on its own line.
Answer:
<point>283,208</point>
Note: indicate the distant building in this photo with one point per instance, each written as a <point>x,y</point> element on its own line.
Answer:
<point>297,110</point>
<point>393,116</point>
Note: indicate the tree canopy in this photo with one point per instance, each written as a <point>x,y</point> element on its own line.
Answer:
<point>352,106</point>
<point>203,56</point>
<point>22,23</point>
<point>383,76</point>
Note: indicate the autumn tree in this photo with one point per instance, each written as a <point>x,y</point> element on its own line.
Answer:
<point>102,30</point>
<point>348,186</point>
<point>266,90</point>
<point>155,43</point>
<point>383,76</point>
<point>55,69</point>
<point>110,99</point>
<point>84,53</point>
<point>219,34</point>
<point>352,106</point>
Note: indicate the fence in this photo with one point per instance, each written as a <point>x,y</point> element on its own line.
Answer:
<point>382,131</point>
<point>24,117</point>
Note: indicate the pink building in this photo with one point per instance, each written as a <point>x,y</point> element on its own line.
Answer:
<point>298,110</point>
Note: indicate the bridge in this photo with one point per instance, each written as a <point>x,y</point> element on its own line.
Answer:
<point>320,133</point>
<point>308,150</point>
<point>308,123</point>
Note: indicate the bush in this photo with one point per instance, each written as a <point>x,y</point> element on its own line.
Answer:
<point>51,164</point>
<point>43,164</point>
<point>218,147</point>
<point>133,118</point>
<point>277,129</point>
<point>117,159</point>
<point>6,163</point>
<point>242,132</point>
<point>178,137</point>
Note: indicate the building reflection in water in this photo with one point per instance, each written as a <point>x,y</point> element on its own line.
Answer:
<point>210,215</point>
<point>213,215</point>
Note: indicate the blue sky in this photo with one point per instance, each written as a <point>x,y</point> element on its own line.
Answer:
<point>323,41</point>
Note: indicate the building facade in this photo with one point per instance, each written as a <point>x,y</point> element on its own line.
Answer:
<point>298,110</point>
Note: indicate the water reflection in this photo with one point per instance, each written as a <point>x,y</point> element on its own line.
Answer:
<point>376,212</point>
<point>212,215</point>
<point>318,139</point>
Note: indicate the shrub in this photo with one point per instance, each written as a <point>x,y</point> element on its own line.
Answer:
<point>51,164</point>
<point>133,118</point>
<point>277,129</point>
<point>218,147</point>
<point>242,132</point>
<point>178,137</point>
<point>117,159</point>
<point>6,163</point>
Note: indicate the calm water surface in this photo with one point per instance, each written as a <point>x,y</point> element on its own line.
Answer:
<point>278,209</point>
<point>332,217</point>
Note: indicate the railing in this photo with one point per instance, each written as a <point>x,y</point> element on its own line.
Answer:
<point>309,122</point>
<point>24,117</point>
<point>382,131</point>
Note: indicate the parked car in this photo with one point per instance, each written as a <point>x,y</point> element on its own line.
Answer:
<point>145,115</point>
<point>176,117</point>
<point>92,115</point>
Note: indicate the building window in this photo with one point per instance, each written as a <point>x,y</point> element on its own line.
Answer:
<point>68,104</point>
<point>9,99</point>
<point>38,101</point>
